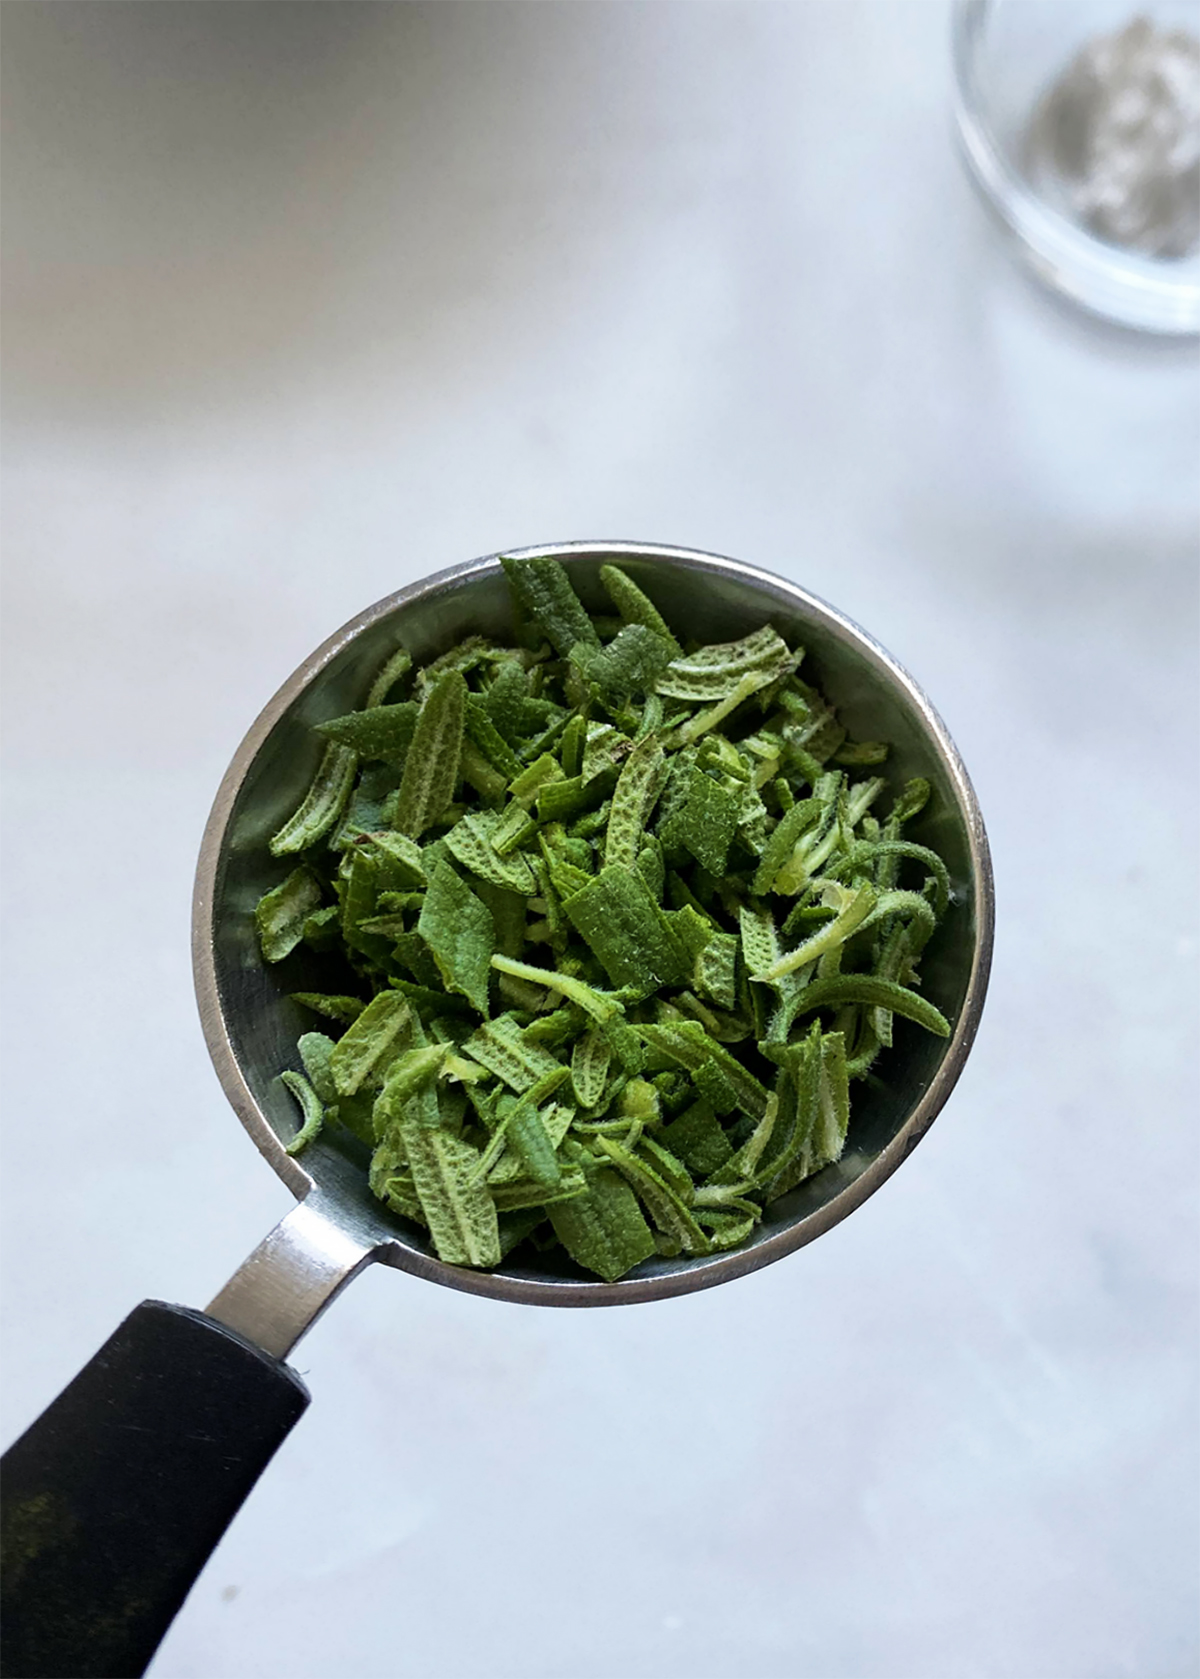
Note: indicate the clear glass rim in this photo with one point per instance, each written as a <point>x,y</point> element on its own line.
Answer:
<point>1118,285</point>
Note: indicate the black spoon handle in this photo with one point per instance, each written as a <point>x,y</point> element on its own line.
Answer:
<point>117,1494</point>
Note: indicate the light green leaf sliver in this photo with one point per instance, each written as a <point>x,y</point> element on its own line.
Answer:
<point>461,935</point>
<point>345,1009</point>
<point>500,1046</point>
<point>641,780</point>
<point>704,721</point>
<point>280,914</point>
<point>408,1076</point>
<point>367,1045</point>
<point>783,842</point>
<point>457,1207</point>
<point>878,993</point>
<point>599,1004</point>
<point>526,1134</point>
<point>397,666</point>
<point>716,672</point>
<point>662,1202</point>
<point>853,913</point>
<point>311,1107</point>
<point>634,606</point>
<point>431,767</point>
<point>590,1061</point>
<point>471,841</point>
<point>321,805</point>
<point>716,970</point>
<point>604,1230</point>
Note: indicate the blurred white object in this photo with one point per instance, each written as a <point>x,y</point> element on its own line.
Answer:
<point>1081,125</point>
<point>1119,136</point>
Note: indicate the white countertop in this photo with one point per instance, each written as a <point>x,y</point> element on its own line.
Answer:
<point>303,302</point>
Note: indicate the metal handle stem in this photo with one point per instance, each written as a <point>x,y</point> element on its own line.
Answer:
<point>281,1290</point>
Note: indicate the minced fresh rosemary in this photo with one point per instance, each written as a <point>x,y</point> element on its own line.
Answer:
<point>611,925</point>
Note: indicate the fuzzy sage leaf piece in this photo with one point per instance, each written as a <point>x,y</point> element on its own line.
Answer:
<point>386,731</point>
<point>619,920</point>
<point>601,1005</point>
<point>604,926</point>
<point>705,821</point>
<point>544,590</point>
<point>461,935</point>
<point>635,606</point>
<point>880,993</point>
<point>502,1047</point>
<point>312,1110</point>
<point>370,1042</point>
<point>344,1009</point>
<point>640,782</point>
<point>715,673</point>
<point>431,764</point>
<point>590,1061</point>
<point>460,1213</point>
<point>321,805</point>
<point>604,1230</point>
<point>472,842</point>
<point>281,913</point>
<point>632,663</point>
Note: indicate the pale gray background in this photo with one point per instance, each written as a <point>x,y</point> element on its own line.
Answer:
<point>306,301</point>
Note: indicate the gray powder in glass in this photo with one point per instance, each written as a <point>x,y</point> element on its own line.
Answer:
<point>1116,140</point>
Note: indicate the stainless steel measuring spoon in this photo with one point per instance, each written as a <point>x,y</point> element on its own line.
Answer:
<point>117,1494</point>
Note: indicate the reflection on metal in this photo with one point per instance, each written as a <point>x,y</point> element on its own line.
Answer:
<point>251,1026</point>
<point>289,1279</point>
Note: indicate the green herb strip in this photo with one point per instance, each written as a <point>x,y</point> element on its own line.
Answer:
<point>618,918</point>
<point>472,842</point>
<point>431,768</point>
<point>281,914</point>
<point>461,935</point>
<point>635,606</point>
<point>604,1230</point>
<point>312,1111</point>
<point>370,1042</point>
<point>544,590</point>
<point>322,804</point>
<point>386,731</point>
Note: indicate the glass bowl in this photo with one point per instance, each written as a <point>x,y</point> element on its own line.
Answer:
<point>1007,56</point>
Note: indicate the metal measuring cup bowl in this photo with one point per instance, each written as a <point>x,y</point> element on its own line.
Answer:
<point>119,1492</point>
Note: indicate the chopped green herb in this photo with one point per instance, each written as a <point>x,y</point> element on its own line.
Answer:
<point>322,804</point>
<point>345,1009</point>
<point>608,930</point>
<point>461,935</point>
<point>282,913</point>
<point>386,731</point>
<point>543,588</point>
<point>636,607</point>
<point>604,1229</point>
<point>472,841</point>
<point>367,1045</point>
<point>431,766</point>
<point>590,1061</point>
<point>311,1108</point>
